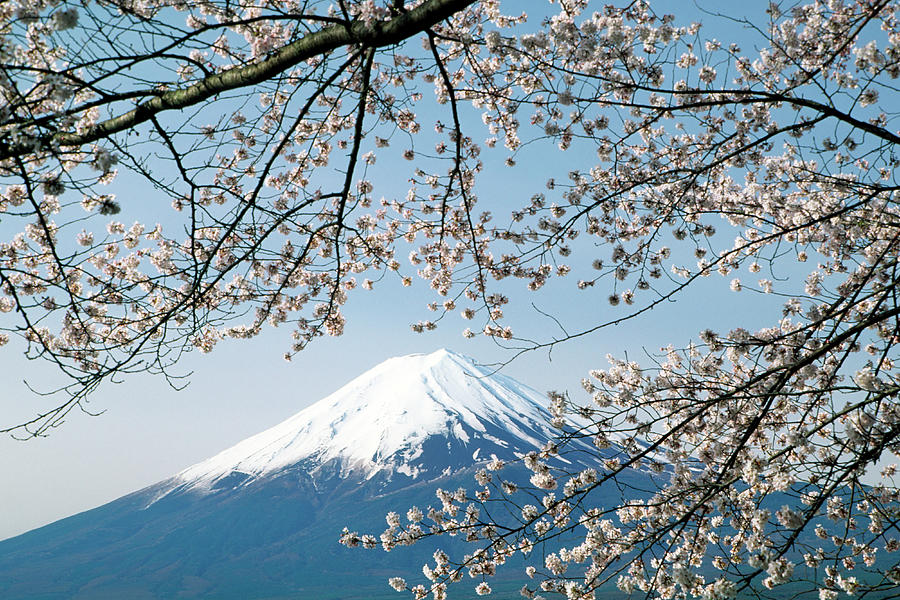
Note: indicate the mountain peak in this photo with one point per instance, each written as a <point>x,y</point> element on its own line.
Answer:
<point>440,358</point>
<point>384,420</point>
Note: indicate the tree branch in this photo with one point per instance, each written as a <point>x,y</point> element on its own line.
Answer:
<point>378,34</point>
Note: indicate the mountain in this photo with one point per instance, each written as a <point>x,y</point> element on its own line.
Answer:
<point>410,417</point>
<point>262,518</point>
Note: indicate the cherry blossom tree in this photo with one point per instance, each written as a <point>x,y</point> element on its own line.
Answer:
<point>696,154</point>
<point>233,114</point>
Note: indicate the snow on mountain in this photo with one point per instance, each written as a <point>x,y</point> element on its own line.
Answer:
<point>383,421</point>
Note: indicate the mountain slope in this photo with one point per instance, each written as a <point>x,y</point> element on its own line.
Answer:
<point>261,519</point>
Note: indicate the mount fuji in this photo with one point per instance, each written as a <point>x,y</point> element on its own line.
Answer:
<point>262,518</point>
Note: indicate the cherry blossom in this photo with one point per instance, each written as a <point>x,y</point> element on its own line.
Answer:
<point>260,131</point>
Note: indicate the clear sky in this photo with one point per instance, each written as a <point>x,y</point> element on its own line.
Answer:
<point>149,431</point>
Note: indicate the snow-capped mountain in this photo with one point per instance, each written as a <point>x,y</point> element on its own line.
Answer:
<point>262,519</point>
<point>416,415</point>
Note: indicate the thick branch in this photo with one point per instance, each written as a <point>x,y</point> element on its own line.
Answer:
<point>378,34</point>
